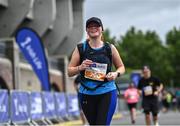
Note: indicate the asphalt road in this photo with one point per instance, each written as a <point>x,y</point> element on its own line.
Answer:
<point>169,118</point>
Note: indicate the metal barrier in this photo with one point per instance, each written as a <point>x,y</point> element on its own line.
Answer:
<point>4,107</point>
<point>38,108</point>
<point>22,107</point>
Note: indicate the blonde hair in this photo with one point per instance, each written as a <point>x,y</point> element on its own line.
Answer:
<point>102,38</point>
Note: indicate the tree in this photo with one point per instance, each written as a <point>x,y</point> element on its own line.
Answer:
<point>173,44</point>
<point>139,48</point>
<point>107,37</point>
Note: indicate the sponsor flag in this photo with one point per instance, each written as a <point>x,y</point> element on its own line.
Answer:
<point>33,50</point>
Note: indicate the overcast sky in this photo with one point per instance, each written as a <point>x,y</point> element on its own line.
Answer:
<point>120,15</point>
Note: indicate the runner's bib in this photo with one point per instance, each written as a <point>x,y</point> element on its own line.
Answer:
<point>96,71</point>
<point>148,90</point>
<point>131,97</point>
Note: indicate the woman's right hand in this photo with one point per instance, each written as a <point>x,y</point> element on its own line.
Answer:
<point>85,64</point>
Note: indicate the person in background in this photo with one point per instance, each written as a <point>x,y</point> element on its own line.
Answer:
<point>77,83</point>
<point>168,100</point>
<point>93,60</point>
<point>174,102</point>
<point>164,101</point>
<point>150,87</point>
<point>132,97</point>
<point>177,94</point>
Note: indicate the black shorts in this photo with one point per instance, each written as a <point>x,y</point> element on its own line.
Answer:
<point>131,105</point>
<point>99,109</point>
<point>150,105</point>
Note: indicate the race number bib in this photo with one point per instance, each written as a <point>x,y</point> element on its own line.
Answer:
<point>131,96</point>
<point>96,71</point>
<point>148,90</point>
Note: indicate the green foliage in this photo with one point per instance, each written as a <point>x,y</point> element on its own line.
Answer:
<point>107,38</point>
<point>173,45</point>
<point>138,48</point>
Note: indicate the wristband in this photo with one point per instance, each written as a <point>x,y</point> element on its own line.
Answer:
<point>118,74</point>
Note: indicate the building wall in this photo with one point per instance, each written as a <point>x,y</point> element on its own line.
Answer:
<point>56,21</point>
<point>29,80</point>
<point>59,23</point>
<point>6,72</point>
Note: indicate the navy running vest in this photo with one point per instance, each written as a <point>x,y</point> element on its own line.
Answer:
<point>100,55</point>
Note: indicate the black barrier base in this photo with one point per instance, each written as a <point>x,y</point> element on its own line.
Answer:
<point>21,124</point>
<point>55,121</point>
<point>48,121</point>
<point>39,123</point>
<point>5,124</point>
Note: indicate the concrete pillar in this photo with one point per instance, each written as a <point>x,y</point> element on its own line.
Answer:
<point>12,16</point>
<point>42,16</point>
<point>62,25</point>
<point>69,43</point>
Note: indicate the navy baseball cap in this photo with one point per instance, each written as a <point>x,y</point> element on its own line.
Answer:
<point>96,20</point>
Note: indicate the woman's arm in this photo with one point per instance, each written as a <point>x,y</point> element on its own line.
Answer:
<point>73,67</point>
<point>117,61</point>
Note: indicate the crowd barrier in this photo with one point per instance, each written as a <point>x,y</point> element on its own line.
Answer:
<point>21,107</point>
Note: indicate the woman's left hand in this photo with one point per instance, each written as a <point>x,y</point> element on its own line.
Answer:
<point>111,76</point>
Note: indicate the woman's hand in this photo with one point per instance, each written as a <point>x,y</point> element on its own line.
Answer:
<point>111,76</point>
<point>156,93</point>
<point>85,64</point>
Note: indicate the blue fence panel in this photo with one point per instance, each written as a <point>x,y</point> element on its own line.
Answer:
<point>19,106</point>
<point>73,108</point>
<point>49,105</point>
<point>61,107</point>
<point>4,106</point>
<point>36,109</point>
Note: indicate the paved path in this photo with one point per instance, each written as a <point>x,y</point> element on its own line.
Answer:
<point>169,118</point>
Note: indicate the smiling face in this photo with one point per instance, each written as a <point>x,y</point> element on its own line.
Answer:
<point>94,30</point>
<point>146,72</point>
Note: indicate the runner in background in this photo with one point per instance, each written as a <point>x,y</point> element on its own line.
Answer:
<point>150,87</point>
<point>132,97</point>
<point>77,83</point>
<point>177,94</point>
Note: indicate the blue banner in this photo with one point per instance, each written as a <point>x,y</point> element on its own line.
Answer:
<point>33,50</point>
<point>36,110</point>
<point>135,77</point>
<point>48,105</point>
<point>73,108</point>
<point>61,107</point>
<point>4,106</point>
<point>19,106</point>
